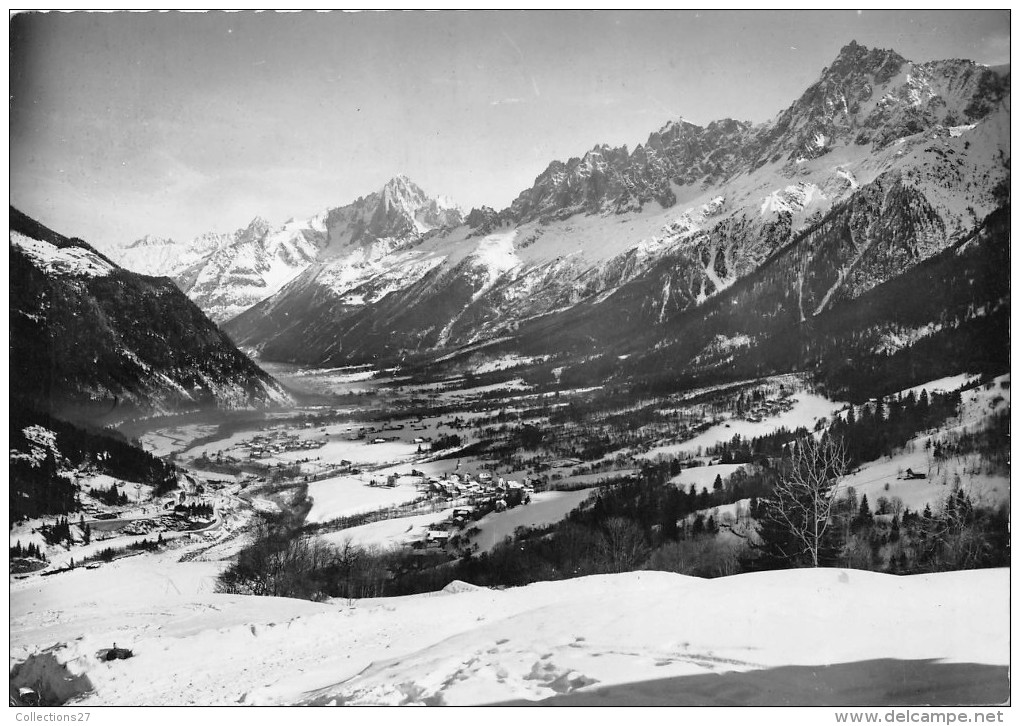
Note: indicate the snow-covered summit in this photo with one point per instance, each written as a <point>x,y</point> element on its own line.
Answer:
<point>404,207</point>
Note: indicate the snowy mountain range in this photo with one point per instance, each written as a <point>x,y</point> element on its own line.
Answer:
<point>227,273</point>
<point>923,147</point>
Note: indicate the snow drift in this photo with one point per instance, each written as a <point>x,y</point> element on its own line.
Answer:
<point>475,646</point>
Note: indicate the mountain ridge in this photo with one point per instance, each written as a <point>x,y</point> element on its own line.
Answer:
<point>710,203</point>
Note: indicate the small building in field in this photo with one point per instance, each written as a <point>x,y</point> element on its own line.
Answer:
<point>437,537</point>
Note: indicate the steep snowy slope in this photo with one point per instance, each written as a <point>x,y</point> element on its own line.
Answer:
<point>820,304</point>
<point>89,338</point>
<point>590,635</point>
<point>923,147</point>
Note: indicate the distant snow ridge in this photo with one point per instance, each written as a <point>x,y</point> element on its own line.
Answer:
<point>257,262</point>
<point>162,256</point>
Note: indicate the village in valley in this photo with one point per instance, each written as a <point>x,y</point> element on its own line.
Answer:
<point>383,483</point>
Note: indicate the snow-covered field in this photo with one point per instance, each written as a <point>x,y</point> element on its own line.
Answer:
<point>728,513</point>
<point>545,508</point>
<point>176,438</point>
<point>358,452</point>
<point>389,532</point>
<point>809,407</point>
<point>703,476</point>
<point>361,452</point>
<point>509,360</point>
<point>343,496</point>
<point>333,381</point>
<point>942,385</point>
<point>477,646</point>
<point>883,478</point>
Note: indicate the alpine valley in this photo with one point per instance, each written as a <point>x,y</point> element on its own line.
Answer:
<point>651,434</point>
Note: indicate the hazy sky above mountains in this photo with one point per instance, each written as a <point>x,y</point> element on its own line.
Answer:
<point>173,124</point>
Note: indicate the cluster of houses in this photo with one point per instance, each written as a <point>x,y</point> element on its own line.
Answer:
<point>482,493</point>
<point>264,446</point>
<point>456,485</point>
<point>473,495</point>
<point>769,408</point>
<point>482,485</point>
<point>439,534</point>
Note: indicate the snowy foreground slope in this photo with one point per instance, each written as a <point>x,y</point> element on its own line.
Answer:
<point>478,646</point>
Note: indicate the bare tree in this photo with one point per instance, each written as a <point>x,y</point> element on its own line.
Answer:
<point>803,501</point>
<point>623,546</point>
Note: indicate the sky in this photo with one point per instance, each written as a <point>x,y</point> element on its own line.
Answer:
<point>174,124</point>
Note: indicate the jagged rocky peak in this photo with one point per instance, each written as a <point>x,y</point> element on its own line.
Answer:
<point>605,153</point>
<point>612,179</point>
<point>257,229</point>
<point>479,217</point>
<point>830,110</point>
<point>483,220</point>
<point>405,208</point>
<point>402,192</point>
<point>850,81</point>
<point>875,97</point>
<point>677,129</point>
<point>856,59</point>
